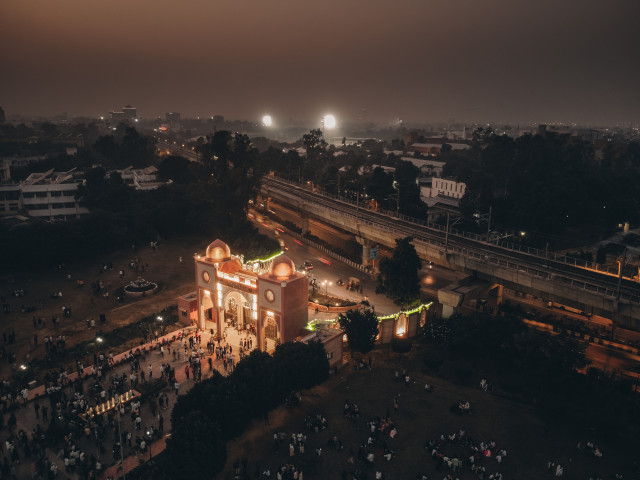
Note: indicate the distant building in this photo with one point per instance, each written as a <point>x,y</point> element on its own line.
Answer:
<point>130,113</point>
<point>127,115</point>
<point>6,163</point>
<point>441,187</point>
<point>10,199</point>
<point>141,178</point>
<point>435,148</point>
<point>49,195</point>
<point>428,167</point>
<point>331,339</point>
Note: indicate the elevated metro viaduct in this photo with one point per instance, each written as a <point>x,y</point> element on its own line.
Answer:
<point>496,268</point>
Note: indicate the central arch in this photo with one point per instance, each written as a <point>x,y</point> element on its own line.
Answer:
<point>236,313</point>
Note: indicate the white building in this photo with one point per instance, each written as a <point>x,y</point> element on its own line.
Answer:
<point>49,195</point>
<point>141,178</point>
<point>432,191</point>
<point>428,167</point>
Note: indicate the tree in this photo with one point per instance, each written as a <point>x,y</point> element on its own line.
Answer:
<point>301,365</point>
<point>314,143</point>
<point>398,278</point>
<point>177,169</point>
<point>361,329</point>
<point>195,450</point>
<point>406,174</point>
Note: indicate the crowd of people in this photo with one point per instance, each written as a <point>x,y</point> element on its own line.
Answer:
<point>71,398</point>
<point>457,450</point>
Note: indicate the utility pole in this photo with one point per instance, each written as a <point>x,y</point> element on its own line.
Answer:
<point>620,267</point>
<point>489,225</point>
<point>446,235</point>
<point>396,185</point>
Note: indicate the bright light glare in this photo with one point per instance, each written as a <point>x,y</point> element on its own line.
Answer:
<point>329,121</point>
<point>267,121</point>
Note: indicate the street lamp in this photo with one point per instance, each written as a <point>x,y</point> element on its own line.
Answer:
<point>267,121</point>
<point>328,121</point>
<point>326,284</point>
<point>396,185</point>
<point>149,444</point>
<point>120,436</point>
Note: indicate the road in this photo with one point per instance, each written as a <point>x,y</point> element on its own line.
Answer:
<point>330,270</point>
<point>611,360</point>
<point>605,358</point>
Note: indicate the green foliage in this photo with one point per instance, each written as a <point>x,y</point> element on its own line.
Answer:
<point>540,368</point>
<point>398,277</point>
<point>177,169</point>
<point>409,193</point>
<point>314,143</point>
<point>361,329</point>
<point>525,181</point>
<point>126,148</point>
<point>196,448</point>
<point>303,365</point>
<point>258,384</point>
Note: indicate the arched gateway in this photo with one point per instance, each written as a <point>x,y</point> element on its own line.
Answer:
<point>268,299</point>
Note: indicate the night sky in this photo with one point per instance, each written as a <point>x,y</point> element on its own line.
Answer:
<point>381,60</point>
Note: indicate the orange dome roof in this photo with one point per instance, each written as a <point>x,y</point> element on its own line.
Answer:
<point>230,267</point>
<point>282,268</point>
<point>218,251</point>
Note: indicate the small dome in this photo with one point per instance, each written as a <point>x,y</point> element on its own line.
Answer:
<point>282,268</point>
<point>232,266</point>
<point>218,251</point>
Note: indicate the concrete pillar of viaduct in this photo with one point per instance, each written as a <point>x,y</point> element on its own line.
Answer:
<point>304,224</point>
<point>366,250</point>
<point>450,301</point>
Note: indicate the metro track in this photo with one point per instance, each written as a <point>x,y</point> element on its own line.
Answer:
<point>544,268</point>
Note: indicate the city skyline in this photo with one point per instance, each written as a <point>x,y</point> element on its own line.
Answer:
<point>378,61</point>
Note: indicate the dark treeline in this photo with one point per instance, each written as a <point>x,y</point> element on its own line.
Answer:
<point>551,185</point>
<point>537,368</point>
<point>208,198</point>
<point>220,408</point>
<point>354,173</point>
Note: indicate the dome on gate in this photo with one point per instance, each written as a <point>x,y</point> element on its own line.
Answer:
<point>230,267</point>
<point>282,268</point>
<point>218,251</point>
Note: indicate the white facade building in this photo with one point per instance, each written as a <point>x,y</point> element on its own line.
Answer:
<point>49,195</point>
<point>435,190</point>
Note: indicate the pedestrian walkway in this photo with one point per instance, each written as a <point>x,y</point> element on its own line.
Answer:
<point>39,391</point>
<point>134,461</point>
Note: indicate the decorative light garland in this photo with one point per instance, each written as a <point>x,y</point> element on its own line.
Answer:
<point>312,324</point>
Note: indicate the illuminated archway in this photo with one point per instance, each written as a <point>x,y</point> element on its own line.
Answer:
<point>402,325</point>
<point>237,310</point>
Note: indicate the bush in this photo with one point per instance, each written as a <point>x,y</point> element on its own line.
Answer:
<point>432,359</point>
<point>401,345</point>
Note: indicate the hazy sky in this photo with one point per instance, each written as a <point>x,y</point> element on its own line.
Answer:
<point>416,60</point>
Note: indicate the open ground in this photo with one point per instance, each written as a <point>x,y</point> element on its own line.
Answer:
<point>529,440</point>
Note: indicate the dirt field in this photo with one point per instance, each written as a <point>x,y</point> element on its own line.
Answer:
<point>529,441</point>
<point>161,266</point>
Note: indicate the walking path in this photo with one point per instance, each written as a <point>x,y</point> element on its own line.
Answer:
<point>28,419</point>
